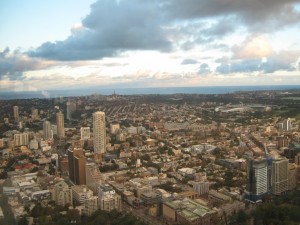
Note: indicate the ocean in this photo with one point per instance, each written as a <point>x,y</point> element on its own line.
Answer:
<point>141,91</point>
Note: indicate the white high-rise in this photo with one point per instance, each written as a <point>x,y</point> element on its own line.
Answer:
<point>99,132</point>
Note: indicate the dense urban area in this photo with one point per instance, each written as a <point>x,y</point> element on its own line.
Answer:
<point>151,159</point>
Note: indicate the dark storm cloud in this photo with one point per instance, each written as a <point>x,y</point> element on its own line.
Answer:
<point>189,61</point>
<point>109,29</point>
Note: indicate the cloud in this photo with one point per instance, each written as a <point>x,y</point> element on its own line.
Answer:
<point>189,61</point>
<point>283,61</point>
<point>204,69</point>
<point>252,13</point>
<point>109,29</point>
<point>13,64</point>
<point>256,45</point>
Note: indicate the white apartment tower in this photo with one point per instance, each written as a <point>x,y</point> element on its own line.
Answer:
<point>60,125</point>
<point>99,132</point>
<point>47,130</point>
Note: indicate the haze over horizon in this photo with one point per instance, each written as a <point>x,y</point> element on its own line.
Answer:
<point>73,44</point>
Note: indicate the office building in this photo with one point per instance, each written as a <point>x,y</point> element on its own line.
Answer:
<point>93,177</point>
<point>62,194</point>
<point>60,125</point>
<point>292,173</point>
<point>108,198</point>
<point>99,132</point>
<point>16,113</point>
<point>21,139</point>
<point>71,108</point>
<point>85,133</point>
<point>79,169</point>
<point>279,175</point>
<point>258,178</point>
<point>201,187</point>
<point>47,130</point>
<point>77,163</point>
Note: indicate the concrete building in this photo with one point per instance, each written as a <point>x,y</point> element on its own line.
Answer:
<point>21,139</point>
<point>62,194</point>
<point>279,175</point>
<point>201,187</point>
<point>90,205</point>
<point>35,114</point>
<point>258,178</point>
<point>79,169</point>
<point>292,176</point>
<point>99,132</point>
<point>60,125</point>
<point>71,107</point>
<point>108,198</point>
<point>16,113</point>
<point>114,127</point>
<point>187,211</point>
<point>85,133</point>
<point>93,177</point>
<point>80,193</point>
<point>47,130</point>
<point>77,163</point>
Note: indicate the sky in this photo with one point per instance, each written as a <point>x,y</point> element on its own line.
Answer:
<point>74,44</point>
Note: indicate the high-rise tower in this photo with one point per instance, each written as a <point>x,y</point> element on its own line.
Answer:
<point>99,131</point>
<point>47,130</point>
<point>16,112</point>
<point>60,125</point>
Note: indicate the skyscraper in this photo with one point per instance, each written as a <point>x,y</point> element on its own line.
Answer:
<point>47,130</point>
<point>258,178</point>
<point>77,163</point>
<point>279,175</point>
<point>16,113</point>
<point>60,125</point>
<point>99,131</point>
<point>71,107</point>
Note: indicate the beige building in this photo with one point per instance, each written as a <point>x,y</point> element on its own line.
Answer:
<point>90,205</point>
<point>108,198</point>
<point>80,193</point>
<point>93,177</point>
<point>21,139</point>
<point>279,175</point>
<point>292,176</point>
<point>60,125</point>
<point>62,194</point>
<point>99,132</point>
<point>85,133</point>
<point>16,112</point>
<point>47,130</point>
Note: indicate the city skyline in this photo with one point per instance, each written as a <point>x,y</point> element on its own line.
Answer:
<point>75,44</point>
